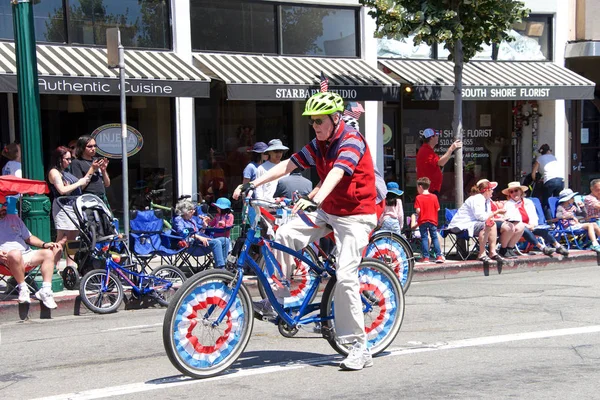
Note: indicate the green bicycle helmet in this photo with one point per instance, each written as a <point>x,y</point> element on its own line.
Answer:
<point>323,103</point>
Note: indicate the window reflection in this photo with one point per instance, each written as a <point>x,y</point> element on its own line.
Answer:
<point>318,31</point>
<point>404,48</point>
<point>48,21</point>
<point>532,40</point>
<point>233,26</point>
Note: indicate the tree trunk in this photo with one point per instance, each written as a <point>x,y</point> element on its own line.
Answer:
<point>457,125</point>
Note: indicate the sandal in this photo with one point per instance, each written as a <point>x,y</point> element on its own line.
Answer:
<point>485,259</point>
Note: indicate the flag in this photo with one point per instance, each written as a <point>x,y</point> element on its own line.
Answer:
<point>324,82</point>
<point>354,109</point>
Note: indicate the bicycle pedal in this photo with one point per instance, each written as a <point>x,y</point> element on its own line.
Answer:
<point>327,332</point>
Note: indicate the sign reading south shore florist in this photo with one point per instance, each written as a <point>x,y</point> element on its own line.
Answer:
<point>108,140</point>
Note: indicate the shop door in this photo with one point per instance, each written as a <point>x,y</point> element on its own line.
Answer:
<point>585,157</point>
<point>391,147</point>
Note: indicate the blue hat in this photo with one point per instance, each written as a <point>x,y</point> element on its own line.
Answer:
<point>393,187</point>
<point>259,147</point>
<point>223,203</point>
<point>427,133</point>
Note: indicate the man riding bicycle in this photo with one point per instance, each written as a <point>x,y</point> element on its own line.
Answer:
<point>346,202</point>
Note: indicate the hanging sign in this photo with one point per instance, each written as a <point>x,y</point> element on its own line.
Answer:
<point>108,140</point>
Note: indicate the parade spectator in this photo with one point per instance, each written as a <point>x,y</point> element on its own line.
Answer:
<point>294,182</point>
<point>523,208</point>
<point>392,218</point>
<point>13,167</point>
<point>429,163</point>
<point>476,217</point>
<point>592,201</point>
<point>567,215</point>
<point>86,164</point>
<point>552,174</point>
<point>190,225</point>
<point>16,255</point>
<point>275,151</point>
<point>63,183</point>
<point>223,219</point>
<point>258,157</point>
<point>427,207</point>
<point>510,229</point>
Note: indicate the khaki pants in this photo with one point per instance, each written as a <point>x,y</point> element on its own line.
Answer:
<point>351,237</point>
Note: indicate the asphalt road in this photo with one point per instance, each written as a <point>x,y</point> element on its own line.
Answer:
<point>533,335</point>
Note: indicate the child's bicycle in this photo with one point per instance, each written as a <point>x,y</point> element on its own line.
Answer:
<point>102,291</point>
<point>209,321</point>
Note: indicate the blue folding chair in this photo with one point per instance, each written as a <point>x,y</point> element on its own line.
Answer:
<point>569,235</point>
<point>464,244</point>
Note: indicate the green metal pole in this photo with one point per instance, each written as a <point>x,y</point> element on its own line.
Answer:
<point>36,209</point>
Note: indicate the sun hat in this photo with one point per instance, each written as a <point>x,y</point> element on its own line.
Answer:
<point>514,185</point>
<point>276,144</point>
<point>393,187</point>
<point>222,203</point>
<point>259,147</point>
<point>427,133</point>
<point>484,184</point>
<point>566,194</point>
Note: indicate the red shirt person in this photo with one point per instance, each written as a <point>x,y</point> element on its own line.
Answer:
<point>429,163</point>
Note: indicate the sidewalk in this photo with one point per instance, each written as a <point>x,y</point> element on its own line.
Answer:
<point>69,303</point>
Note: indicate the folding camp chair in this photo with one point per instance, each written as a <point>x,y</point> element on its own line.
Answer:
<point>6,277</point>
<point>570,236</point>
<point>461,242</point>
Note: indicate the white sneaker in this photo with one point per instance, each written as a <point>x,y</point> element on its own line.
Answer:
<point>46,297</point>
<point>359,358</point>
<point>24,295</point>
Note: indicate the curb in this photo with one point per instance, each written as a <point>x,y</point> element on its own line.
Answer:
<point>69,302</point>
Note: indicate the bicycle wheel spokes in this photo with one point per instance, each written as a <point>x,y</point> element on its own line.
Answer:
<point>101,293</point>
<point>165,281</point>
<point>196,344</point>
<point>386,247</point>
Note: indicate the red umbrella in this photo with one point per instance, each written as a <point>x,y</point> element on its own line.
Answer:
<point>11,185</point>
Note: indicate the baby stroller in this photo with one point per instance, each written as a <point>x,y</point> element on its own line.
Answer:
<point>96,225</point>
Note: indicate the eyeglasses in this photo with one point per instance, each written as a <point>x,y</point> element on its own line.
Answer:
<point>317,121</point>
<point>91,146</point>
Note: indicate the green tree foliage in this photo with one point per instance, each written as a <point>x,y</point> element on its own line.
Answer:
<point>473,22</point>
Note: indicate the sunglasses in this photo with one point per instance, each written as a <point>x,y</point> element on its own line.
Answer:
<point>317,121</point>
<point>514,191</point>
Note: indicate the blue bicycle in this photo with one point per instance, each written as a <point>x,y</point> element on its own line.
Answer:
<point>209,321</point>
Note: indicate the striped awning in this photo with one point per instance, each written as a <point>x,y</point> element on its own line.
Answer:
<point>250,77</point>
<point>84,70</point>
<point>490,80</point>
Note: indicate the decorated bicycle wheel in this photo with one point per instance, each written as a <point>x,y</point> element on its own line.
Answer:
<point>300,282</point>
<point>383,306</point>
<point>196,343</point>
<point>394,251</point>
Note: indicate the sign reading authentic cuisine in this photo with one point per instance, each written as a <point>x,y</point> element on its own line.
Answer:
<point>108,140</point>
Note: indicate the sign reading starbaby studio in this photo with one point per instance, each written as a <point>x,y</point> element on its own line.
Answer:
<point>108,140</point>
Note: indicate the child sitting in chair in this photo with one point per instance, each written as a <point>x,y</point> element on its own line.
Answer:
<point>567,211</point>
<point>190,225</point>
<point>223,219</point>
<point>392,218</point>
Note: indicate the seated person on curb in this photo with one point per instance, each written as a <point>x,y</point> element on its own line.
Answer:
<point>427,207</point>
<point>510,230</point>
<point>592,201</point>
<point>477,218</point>
<point>186,223</point>
<point>16,255</point>
<point>346,202</point>
<point>523,208</point>
<point>567,211</point>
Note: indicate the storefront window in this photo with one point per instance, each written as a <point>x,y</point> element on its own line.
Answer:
<point>487,150</point>
<point>319,31</point>
<point>48,20</point>
<point>532,40</point>
<point>226,130</point>
<point>233,26</point>
<point>65,118</point>
<point>143,23</point>
<point>404,48</point>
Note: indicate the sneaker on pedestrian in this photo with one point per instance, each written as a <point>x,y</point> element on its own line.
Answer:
<point>425,260</point>
<point>547,250</point>
<point>46,297</point>
<point>562,250</point>
<point>24,295</point>
<point>264,309</point>
<point>507,253</point>
<point>596,248</point>
<point>440,260</point>
<point>513,253</point>
<point>358,358</point>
